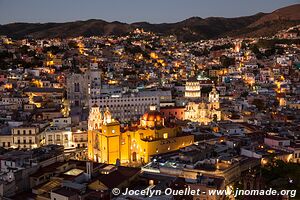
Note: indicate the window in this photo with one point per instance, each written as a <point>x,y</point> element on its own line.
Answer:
<point>76,87</point>
<point>18,132</point>
<point>165,135</point>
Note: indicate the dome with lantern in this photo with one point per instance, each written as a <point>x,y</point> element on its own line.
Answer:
<point>152,118</point>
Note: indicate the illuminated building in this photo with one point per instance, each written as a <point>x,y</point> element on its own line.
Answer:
<point>77,89</point>
<point>192,88</point>
<point>173,112</point>
<point>25,137</point>
<point>64,137</point>
<point>84,86</point>
<point>203,112</point>
<point>107,144</point>
<point>52,135</point>
<point>6,140</point>
<point>47,94</point>
<point>237,47</point>
<point>8,86</point>
<point>125,107</point>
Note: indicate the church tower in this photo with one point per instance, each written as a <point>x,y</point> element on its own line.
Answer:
<point>95,118</point>
<point>103,137</point>
<point>107,116</point>
<point>192,88</point>
<point>214,99</point>
<point>214,105</point>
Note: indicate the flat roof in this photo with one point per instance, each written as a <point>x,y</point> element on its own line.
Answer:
<point>74,172</point>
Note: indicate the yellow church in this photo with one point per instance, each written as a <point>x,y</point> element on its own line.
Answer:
<point>108,143</point>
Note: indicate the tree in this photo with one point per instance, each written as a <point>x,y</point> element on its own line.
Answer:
<point>226,61</point>
<point>259,104</point>
<point>245,94</point>
<point>72,45</point>
<point>256,51</point>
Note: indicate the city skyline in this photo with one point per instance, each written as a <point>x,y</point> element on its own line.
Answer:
<point>130,12</point>
<point>198,108</point>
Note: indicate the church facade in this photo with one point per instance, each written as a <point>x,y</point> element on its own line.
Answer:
<point>204,111</point>
<point>108,143</point>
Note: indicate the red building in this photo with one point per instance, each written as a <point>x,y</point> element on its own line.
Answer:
<point>171,112</point>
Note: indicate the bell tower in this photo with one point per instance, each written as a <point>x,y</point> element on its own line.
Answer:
<point>110,138</point>
<point>214,105</point>
<point>213,99</point>
<point>107,116</point>
<point>95,118</point>
<point>104,137</point>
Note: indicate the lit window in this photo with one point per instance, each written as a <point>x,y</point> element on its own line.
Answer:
<point>165,135</point>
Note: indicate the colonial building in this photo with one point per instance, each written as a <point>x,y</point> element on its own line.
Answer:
<point>84,86</point>
<point>126,108</point>
<point>25,136</point>
<point>204,112</point>
<point>192,88</point>
<point>107,143</point>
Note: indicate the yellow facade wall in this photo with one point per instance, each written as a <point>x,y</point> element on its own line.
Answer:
<point>133,146</point>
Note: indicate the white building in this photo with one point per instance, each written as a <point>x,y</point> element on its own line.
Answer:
<point>192,88</point>
<point>126,107</point>
<point>25,137</point>
<point>62,122</point>
<point>65,137</point>
<point>276,142</point>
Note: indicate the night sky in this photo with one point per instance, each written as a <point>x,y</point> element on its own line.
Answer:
<point>154,11</point>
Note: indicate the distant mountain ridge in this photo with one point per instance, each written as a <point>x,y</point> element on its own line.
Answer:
<point>192,29</point>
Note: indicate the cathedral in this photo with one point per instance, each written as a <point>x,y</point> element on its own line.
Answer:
<point>109,143</point>
<point>205,110</point>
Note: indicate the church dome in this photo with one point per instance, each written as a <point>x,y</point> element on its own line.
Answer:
<point>152,118</point>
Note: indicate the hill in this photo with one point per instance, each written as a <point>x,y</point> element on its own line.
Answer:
<point>192,29</point>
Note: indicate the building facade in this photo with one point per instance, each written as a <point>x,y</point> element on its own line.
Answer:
<point>25,137</point>
<point>204,112</point>
<point>107,143</point>
<point>192,88</point>
<point>84,86</point>
<point>126,108</point>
